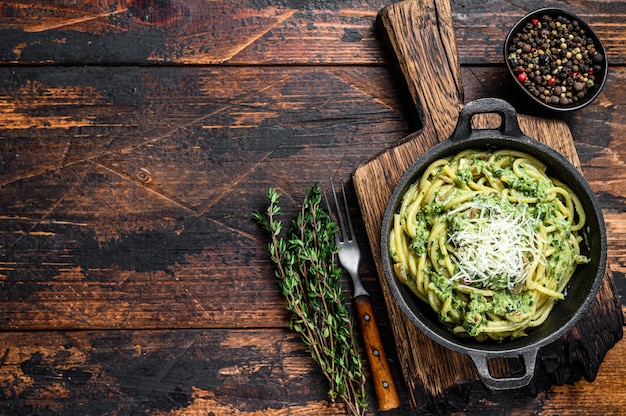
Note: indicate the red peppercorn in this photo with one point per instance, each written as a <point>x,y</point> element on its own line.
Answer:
<point>552,81</point>
<point>520,69</point>
<point>535,21</point>
<point>522,77</point>
<point>590,71</point>
<point>575,75</point>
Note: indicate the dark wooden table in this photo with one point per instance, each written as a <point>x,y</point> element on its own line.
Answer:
<point>136,140</point>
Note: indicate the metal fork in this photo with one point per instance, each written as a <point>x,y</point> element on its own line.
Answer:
<point>350,258</point>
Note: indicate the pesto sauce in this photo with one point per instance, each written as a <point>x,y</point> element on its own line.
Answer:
<point>422,233</point>
<point>514,307</point>
<point>526,184</point>
<point>512,303</point>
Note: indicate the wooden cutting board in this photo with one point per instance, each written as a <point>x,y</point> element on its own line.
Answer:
<point>421,35</point>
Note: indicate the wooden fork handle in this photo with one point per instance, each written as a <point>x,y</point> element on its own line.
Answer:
<point>385,388</point>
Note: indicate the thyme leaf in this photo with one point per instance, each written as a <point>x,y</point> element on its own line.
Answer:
<point>304,264</point>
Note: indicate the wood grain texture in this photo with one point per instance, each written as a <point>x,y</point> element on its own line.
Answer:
<point>381,375</point>
<point>253,32</point>
<point>136,139</point>
<point>104,221</point>
<point>420,36</point>
<point>245,372</point>
<point>160,373</point>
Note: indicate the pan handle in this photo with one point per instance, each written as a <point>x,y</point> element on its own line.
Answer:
<point>508,127</point>
<point>529,357</point>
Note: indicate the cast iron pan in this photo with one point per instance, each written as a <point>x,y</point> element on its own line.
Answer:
<point>583,286</point>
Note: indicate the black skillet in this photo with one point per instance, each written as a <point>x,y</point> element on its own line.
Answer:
<point>583,286</point>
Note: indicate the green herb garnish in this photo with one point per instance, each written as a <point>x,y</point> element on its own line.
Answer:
<point>310,282</point>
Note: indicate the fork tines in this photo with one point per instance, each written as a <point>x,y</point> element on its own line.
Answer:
<point>340,216</point>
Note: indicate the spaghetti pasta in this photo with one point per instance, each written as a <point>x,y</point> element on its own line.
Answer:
<point>488,240</point>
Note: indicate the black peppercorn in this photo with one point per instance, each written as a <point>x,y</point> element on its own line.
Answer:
<point>555,59</point>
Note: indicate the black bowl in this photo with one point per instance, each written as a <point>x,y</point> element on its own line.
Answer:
<point>583,286</point>
<point>540,56</point>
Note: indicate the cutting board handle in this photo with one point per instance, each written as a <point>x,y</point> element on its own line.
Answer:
<point>421,36</point>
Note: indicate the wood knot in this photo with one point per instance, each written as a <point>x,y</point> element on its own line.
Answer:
<point>144,175</point>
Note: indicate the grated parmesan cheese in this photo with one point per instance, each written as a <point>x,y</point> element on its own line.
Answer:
<point>494,248</point>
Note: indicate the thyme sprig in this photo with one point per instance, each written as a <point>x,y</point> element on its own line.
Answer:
<point>310,282</point>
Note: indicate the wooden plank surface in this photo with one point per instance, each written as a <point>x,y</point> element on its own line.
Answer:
<point>136,140</point>
<point>253,32</point>
<point>148,202</point>
<point>245,372</point>
<point>158,372</point>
